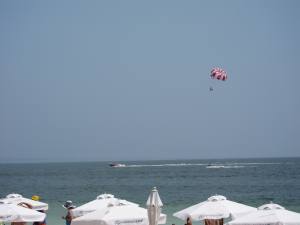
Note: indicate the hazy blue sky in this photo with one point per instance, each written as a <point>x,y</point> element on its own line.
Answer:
<point>127,80</point>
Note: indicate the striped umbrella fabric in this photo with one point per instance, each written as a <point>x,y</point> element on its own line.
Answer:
<point>218,73</point>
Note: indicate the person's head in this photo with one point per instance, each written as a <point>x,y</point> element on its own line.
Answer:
<point>69,205</point>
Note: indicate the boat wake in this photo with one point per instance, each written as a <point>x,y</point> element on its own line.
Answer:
<point>167,165</point>
<point>225,165</point>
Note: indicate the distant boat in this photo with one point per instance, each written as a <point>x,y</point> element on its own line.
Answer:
<point>117,165</point>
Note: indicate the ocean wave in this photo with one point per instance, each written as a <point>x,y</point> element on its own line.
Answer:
<point>223,167</point>
<point>255,163</point>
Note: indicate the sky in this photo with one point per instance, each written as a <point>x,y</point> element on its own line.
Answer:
<point>129,80</point>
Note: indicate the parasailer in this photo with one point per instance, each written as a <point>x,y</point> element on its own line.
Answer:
<point>218,74</point>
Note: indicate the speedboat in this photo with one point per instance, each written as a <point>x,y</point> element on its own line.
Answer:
<point>117,165</point>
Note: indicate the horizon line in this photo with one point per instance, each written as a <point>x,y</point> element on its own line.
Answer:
<point>143,160</point>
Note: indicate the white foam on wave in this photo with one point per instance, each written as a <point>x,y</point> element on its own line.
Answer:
<point>255,163</point>
<point>223,167</point>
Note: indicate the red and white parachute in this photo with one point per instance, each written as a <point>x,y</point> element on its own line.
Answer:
<point>218,73</point>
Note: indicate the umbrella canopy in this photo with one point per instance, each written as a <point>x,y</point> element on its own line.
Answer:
<point>215,207</point>
<point>19,199</point>
<point>101,202</point>
<point>13,213</point>
<point>269,214</point>
<point>117,215</point>
<point>154,205</point>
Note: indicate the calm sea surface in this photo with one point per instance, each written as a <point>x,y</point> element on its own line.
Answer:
<point>180,183</point>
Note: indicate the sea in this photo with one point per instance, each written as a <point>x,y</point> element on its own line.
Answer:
<point>180,183</point>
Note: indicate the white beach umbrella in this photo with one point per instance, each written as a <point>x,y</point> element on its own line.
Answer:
<point>269,214</point>
<point>154,205</point>
<point>117,215</point>
<point>101,202</point>
<point>13,213</point>
<point>216,207</point>
<point>19,199</point>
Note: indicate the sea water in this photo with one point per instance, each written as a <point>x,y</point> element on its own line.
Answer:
<point>180,183</point>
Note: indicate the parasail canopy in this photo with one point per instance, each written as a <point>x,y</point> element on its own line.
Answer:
<point>218,73</point>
